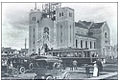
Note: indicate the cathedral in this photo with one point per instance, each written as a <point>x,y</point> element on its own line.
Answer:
<point>54,27</point>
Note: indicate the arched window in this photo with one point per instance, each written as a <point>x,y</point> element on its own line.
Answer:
<point>46,33</point>
<point>70,14</point>
<point>76,43</point>
<point>81,44</point>
<point>70,33</point>
<point>38,21</point>
<point>105,35</point>
<point>33,18</point>
<point>61,34</point>
<point>94,45</point>
<point>90,44</point>
<point>46,30</point>
<point>59,14</point>
<point>86,44</point>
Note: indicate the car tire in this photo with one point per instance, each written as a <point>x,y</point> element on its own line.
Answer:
<point>49,78</point>
<point>36,78</point>
<point>67,76</point>
<point>22,70</point>
<point>15,72</point>
<point>31,66</point>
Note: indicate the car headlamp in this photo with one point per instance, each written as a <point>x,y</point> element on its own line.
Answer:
<point>42,77</point>
<point>25,60</point>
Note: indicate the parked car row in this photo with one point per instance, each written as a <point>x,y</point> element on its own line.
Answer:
<point>45,67</point>
<point>20,64</point>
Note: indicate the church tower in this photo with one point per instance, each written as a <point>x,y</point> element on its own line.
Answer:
<point>34,19</point>
<point>65,27</point>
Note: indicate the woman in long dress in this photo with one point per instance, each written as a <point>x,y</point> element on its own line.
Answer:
<point>95,71</point>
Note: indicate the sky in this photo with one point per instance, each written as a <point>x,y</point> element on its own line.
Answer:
<point>15,21</point>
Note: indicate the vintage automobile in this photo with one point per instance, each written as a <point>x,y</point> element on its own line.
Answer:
<point>3,65</point>
<point>7,70</point>
<point>49,68</point>
<point>20,63</point>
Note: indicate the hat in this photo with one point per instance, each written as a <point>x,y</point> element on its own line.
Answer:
<point>94,62</point>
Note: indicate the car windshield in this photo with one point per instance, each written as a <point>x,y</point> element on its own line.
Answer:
<point>40,64</point>
<point>50,65</point>
<point>44,64</point>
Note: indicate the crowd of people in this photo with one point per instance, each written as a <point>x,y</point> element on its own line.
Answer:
<point>73,65</point>
<point>97,67</point>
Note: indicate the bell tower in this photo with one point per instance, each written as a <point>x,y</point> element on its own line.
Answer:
<point>65,27</point>
<point>34,20</point>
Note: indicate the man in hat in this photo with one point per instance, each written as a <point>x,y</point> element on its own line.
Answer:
<point>99,65</point>
<point>75,65</point>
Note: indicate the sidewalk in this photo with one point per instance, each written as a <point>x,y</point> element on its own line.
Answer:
<point>103,76</point>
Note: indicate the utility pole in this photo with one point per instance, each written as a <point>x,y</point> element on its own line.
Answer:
<point>49,9</point>
<point>25,46</point>
<point>35,6</point>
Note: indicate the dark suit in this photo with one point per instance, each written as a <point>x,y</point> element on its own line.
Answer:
<point>100,66</point>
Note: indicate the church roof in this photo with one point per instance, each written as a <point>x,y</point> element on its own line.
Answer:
<point>83,24</point>
<point>96,25</point>
<point>86,25</point>
<point>80,25</point>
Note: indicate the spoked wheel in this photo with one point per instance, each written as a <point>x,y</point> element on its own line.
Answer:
<point>15,72</point>
<point>67,76</point>
<point>22,70</point>
<point>31,66</point>
<point>49,78</point>
<point>36,78</point>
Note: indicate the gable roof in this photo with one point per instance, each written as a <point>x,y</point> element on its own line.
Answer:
<point>83,24</point>
<point>88,25</point>
<point>96,25</point>
<point>77,24</point>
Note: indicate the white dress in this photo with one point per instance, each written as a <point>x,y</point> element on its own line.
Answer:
<point>95,71</point>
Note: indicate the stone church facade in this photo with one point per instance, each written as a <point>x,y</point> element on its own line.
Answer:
<point>59,30</point>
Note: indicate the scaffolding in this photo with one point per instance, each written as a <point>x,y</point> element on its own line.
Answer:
<point>49,10</point>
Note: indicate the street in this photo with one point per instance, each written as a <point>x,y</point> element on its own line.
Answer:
<point>113,78</point>
<point>79,74</point>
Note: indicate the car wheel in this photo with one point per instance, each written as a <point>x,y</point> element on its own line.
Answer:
<point>36,78</point>
<point>31,66</point>
<point>67,76</point>
<point>22,70</point>
<point>15,72</point>
<point>49,78</point>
